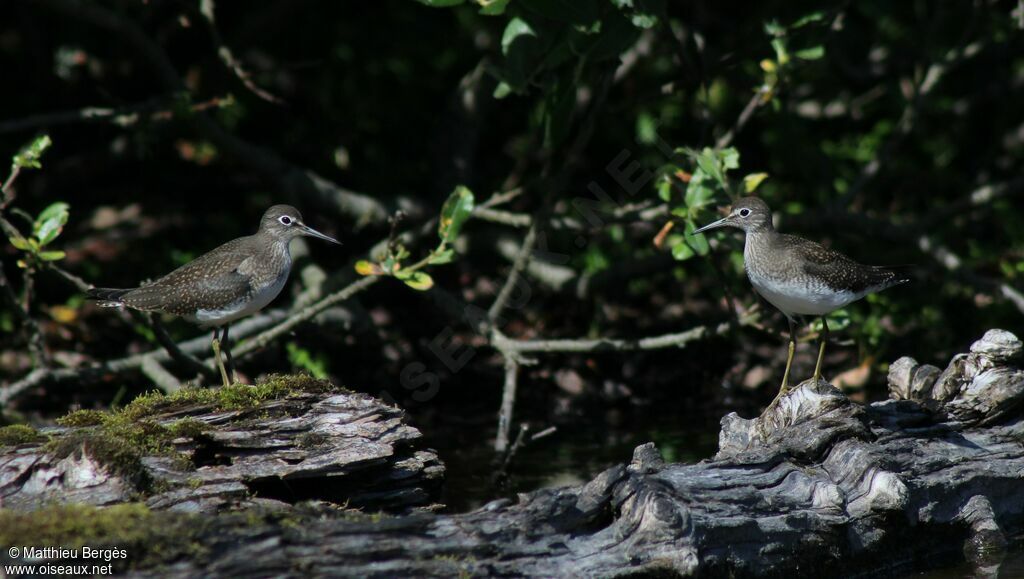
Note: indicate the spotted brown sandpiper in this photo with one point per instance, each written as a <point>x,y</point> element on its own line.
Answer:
<point>232,281</point>
<point>798,276</point>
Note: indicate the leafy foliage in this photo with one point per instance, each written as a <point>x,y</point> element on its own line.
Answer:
<point>454,213</point>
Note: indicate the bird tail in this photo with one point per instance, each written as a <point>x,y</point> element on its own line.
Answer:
<point>107,297</point>
<point>892,275</point>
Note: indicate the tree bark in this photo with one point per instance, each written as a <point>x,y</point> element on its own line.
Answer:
<point>817,487</point>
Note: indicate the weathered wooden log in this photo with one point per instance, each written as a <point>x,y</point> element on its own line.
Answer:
<point>279,442</point>
<point>818,487</point>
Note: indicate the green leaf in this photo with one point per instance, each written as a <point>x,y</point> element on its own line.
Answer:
<point>364,267</point>
<point>520,45</point>
<point>807,19</point>
<point>665,188</point>
<point>698,243</point>
<point>699,191</point>
<point>730,158</point>
<point>752,181</point>
<point>516,29</point>
<point>502,90</point>
<point>441,3</point>
<point>454,213</point>
<point>51,255</point>
<point>28,157</point>
<point>492,7</point>
<point>50,222</point>
<point>681,251</point>
<point>642,13</point>
<point>19,243</point>
<point>813,53</point>
<point>441,257</point>
<point>708,162</point>
<point>781,53</point>
<point>420,281</point>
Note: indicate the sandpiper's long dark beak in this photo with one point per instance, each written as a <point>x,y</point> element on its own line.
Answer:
<point>307,230</point>
<point>714,224</point>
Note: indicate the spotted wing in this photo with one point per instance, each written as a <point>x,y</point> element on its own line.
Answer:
<point>209,282</point>
<point>841,273</point>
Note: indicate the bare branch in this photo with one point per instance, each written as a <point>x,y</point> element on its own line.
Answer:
<point>160,376</point>
<point>127,364</point>
<point>305,314</point>
<point>207,8</point>
<point>677,340</point>
<point>746,114</point>
<point>508,401</point>
<point>126,116</point>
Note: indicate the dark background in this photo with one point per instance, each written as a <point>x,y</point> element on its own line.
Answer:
<point>892,131</point>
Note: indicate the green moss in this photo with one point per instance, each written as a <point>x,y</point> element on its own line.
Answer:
<point>149,538</point>
<point>16,434</point>
<point>234,397</point>
<point>119,439</point>
<point>187,427</point>
<point>81,417</point>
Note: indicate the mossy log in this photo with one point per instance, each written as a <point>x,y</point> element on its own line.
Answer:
<point>286,439</point>
<point>819,487</point>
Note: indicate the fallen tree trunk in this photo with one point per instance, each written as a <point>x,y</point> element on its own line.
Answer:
<point>818,487</point>
<point>287,439</point>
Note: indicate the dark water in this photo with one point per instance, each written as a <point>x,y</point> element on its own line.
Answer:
<point>571,455</point>
<point>1010,567</point>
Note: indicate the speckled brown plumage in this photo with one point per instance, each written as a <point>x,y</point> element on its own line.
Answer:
<point>214,288</point>
<point>800,277</point>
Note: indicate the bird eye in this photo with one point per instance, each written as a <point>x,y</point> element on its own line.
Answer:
<point>285,220</point>
<point>744,212</point>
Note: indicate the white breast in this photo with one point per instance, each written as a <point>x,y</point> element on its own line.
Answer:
<point>800,299</point>
<point>799,296</point>
<point>242,308</point>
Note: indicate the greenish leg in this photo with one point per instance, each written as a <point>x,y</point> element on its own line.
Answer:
<point>821,348</point>
<point>227,355</point>
<point>789,364</point>
<point>216,354</point>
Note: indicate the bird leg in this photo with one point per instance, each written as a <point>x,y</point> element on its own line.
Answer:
<point>789,363</point>
<point>216,354</point>
<point>821,348</point>
<point>227,354</point>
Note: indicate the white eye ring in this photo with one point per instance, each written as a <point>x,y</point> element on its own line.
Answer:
<point>284,219</point>
<point>744,212</point>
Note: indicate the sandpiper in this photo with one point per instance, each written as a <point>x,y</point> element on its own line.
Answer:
<point>232,281</point>
<point>798,276</point>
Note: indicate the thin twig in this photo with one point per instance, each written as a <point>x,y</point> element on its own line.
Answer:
<point>522,259</point>
<point>508,402</point>
<point>28,324</point>
<point>125,116</point>
<point>746,114</point>
<point>675,340</point>
<point>85,374</point>
<point>207,9</point>
<point>307,313</point>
